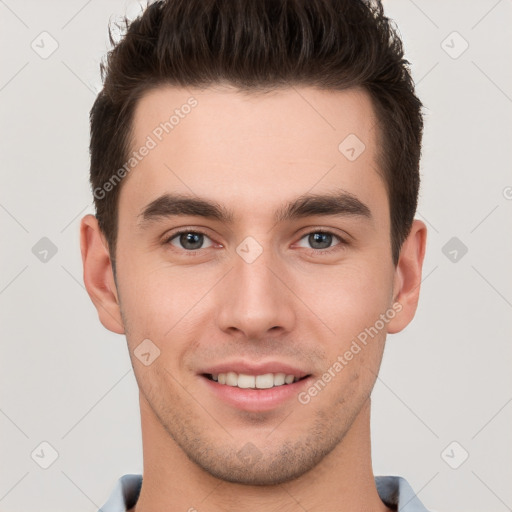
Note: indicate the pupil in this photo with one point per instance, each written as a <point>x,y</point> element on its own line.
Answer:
<point>191,238</point>
<point>317,237</point>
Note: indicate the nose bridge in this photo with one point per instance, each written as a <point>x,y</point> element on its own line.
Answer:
<point>255,300</point>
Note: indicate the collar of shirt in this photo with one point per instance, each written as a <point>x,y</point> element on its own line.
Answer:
<point>394,491</point>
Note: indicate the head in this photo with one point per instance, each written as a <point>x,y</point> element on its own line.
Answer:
<point>259,120</point>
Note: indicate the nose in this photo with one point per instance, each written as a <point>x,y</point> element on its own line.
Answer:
<point>255,298</point>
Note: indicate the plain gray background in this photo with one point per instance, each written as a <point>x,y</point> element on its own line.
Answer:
<point>444,391</point>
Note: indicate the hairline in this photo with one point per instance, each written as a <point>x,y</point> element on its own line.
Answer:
<point>257,90</point>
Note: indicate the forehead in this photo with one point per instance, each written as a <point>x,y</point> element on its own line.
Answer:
<point>222,143</point>
<point>219,114</point>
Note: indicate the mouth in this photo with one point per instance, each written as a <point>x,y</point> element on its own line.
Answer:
<point>254,386</point>
<point>262,381</point>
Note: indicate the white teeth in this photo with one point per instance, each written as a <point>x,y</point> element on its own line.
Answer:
<point>244,381</point>
<point>279,379</point>
<point>289,379</point>
<point>263,381</point>
<point>231,379</point>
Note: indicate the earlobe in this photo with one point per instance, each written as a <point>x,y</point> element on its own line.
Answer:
<point>406,290</point>
<point>98,275</point>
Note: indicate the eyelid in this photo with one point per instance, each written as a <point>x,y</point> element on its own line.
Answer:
<point>341,235</point>
<point>310,230</point>
<point>186,230</point>
<point>342,242</point>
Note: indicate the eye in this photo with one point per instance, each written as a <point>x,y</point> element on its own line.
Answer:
<point>321,240</point>
<point>189,240</point>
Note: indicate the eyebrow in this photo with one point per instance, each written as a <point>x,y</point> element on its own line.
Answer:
<point>334,204</point>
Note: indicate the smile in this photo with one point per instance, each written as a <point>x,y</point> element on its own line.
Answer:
<point>245,381</point>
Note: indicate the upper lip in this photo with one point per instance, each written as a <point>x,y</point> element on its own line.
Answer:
<point>250,368</point>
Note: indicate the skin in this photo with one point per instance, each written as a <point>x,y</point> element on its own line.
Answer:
<point>252,154</point>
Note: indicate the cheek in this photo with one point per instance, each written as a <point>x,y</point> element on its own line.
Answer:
<point>153,295</point>
<point>163,305</point>
<point>348,300</point>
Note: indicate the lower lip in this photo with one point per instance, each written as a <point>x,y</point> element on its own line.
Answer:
<point>256,400</point>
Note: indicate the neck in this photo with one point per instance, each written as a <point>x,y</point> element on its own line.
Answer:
<point>343,481</point>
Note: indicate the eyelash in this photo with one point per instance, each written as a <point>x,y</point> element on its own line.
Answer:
<point>342,243</point>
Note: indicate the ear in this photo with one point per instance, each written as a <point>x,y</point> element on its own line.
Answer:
<point>98,274</point>
<point>407,280</point>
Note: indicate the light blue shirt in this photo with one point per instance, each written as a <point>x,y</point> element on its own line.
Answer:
<point>394,491</point>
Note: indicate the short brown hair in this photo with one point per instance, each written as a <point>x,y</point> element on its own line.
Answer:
<point>258,45</point>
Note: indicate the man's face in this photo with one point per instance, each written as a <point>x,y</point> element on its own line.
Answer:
<point>255,294</point>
